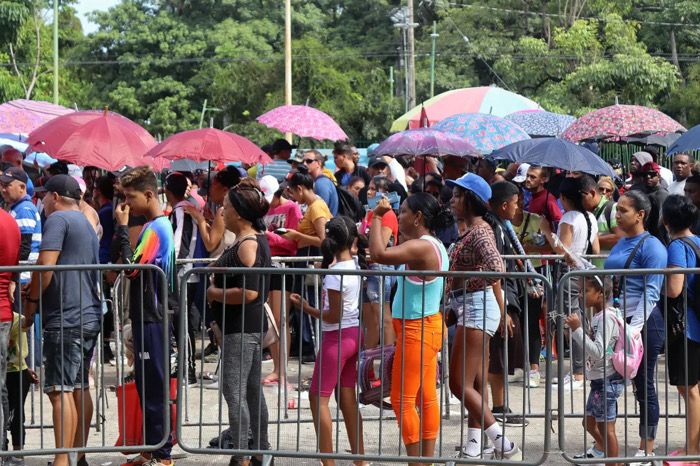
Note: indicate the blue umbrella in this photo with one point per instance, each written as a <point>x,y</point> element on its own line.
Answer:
<point>689,141</point>
<point>553,152</point>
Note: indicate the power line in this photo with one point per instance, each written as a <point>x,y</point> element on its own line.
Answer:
<point>588,18</point>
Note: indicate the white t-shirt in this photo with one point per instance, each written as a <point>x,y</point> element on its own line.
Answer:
<point>398,173</point>
<point>350,296</point>
<point>579,245</point>
<point>667,175</point>
<point>677,187</point>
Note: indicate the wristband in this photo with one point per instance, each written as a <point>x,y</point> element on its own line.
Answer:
<point>377,217</point>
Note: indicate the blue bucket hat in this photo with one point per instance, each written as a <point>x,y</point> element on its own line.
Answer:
<point>473,183</point>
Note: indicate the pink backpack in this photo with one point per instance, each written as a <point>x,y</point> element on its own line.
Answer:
<point>629,349</point>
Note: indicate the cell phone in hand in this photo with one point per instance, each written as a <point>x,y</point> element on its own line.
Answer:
<point>373,201</point>
<point>280,231</point>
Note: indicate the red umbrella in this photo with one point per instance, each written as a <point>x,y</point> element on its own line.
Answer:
<point>619,121</point>
<point>209,144</point>
<point>92,138</point>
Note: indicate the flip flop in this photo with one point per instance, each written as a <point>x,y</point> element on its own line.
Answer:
<point>678,463</point>
<point>266,381</point>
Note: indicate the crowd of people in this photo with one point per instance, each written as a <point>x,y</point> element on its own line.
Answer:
<point>423,214</point>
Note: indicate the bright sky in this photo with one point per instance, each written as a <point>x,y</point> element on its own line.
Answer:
<point>86,6</point>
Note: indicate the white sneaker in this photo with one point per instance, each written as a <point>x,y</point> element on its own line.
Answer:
<point>570,384</point>
<point>513,455</point>
<point>643,454</point>
<point>517,376</point>
<point>489,453</point>
<point>555,380</point>
<point>212,386</point>
<point>534,378</point>
<point>590,453</point>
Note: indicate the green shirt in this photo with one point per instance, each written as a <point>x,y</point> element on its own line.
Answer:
<point>603,226</point>
<point>531,226</point>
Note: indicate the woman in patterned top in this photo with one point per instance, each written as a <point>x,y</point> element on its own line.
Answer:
<point>478,306</point>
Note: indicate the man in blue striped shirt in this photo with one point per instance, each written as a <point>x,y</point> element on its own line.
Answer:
<point>279,168</point>
<point>14,191</point>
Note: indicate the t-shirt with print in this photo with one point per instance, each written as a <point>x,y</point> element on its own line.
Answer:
<point>71,293</point>
<point>600,213</point>
<point>350,296</point>
<point>682,255</point>
<point>579,241</point>
<point>317,210</point>
<point>17,349</point>
<point>27,217</point>
<point>526,230</point>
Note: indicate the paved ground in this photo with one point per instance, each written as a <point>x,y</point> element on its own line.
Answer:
<point>291,435</point>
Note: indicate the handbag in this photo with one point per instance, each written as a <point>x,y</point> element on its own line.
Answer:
<point>272,335</point>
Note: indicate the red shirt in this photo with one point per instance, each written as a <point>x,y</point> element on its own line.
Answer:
<point>9,256</point>
<point>551,210</point>
<point>388,220</point>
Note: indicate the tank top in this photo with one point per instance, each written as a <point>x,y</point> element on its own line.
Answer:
<point>410,294</point>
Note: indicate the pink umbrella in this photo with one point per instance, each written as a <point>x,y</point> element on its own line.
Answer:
<point>17,121</point>
<point>44,110</point>
<point>91,138</point>
<point>305,122</point>
<point>619,121</point>
<point>209,144</point>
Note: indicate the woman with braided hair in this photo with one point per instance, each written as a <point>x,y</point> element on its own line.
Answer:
<point>336,361</point>
<point>577,234</point>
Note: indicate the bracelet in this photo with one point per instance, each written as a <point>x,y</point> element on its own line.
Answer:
<point>33,301</point>
<point>377,217</point>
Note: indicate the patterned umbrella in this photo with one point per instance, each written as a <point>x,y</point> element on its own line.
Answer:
<point>619,121</point>
<point>486,99</point>
<point>483,131</point>
<point>541,123</point>
<point>424,141</point>
<point>17,121</point>
<point>44,110</point>
<point>305,122</point>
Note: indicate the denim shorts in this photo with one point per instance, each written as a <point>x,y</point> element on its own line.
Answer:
<point>470,308</point>
<point>602,399</point>
<point>67,357</point>
<point>372,293</point>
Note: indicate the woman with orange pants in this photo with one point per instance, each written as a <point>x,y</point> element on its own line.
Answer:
<point>416,316</point>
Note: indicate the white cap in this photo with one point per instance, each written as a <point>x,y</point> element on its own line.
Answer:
<point>81,183</point>
<point>522,173</point>
<point>269,186</point>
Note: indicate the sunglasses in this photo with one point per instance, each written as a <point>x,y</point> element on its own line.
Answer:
<point>650,174</point>
<point>309,161</point>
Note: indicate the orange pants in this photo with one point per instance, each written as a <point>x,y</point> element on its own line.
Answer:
<point>412,338</point>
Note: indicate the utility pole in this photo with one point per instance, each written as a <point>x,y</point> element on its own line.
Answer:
<point>411,68</point>
<point>433,38</point>
<point>391,82</point>
<point>55,52</point>
<point>288,57</point>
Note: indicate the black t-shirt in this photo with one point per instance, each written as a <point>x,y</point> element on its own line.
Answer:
<point>253,319</point>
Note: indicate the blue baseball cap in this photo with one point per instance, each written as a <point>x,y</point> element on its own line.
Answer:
<point>473,183</point>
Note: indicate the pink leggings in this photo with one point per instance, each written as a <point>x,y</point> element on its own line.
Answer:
<point>327,360</point>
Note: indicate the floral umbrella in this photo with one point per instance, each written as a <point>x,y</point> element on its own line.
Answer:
<point>483,131</point>
<point>18,121</point>
<point>305,122</point>
<point>541,123</point>
<point>618,121</point>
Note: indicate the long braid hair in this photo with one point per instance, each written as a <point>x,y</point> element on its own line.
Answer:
<point>572,189</point>
<point>341,233</point>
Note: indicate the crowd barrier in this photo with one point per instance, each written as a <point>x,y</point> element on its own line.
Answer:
<point>201,414</point>
<point>672,407</point>
<point>43,441</point>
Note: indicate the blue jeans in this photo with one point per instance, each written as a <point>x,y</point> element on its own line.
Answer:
<point>372,293</point>
<point>602,399</point>
<point>67,357</point>
<point>653,335</point>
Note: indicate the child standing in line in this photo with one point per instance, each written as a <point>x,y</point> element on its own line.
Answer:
<point>606,382</point>
<point>342,338</point>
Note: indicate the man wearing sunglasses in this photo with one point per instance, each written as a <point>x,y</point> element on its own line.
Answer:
<point>323,186</point>
<point>651,176</point>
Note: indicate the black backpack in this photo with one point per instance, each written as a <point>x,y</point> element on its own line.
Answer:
<point>673,309</point>
<point>349,205</point>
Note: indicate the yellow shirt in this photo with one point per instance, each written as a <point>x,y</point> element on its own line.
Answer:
<point>533,226</point>
<point>317,210</point>
<point>17,337</point>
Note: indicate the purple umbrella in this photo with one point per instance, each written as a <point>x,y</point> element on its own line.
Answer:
<point>425,141</point>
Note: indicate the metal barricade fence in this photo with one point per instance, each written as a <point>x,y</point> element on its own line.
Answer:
<point>292,436</point>
<point>71,336</point>
<point>651,382</point>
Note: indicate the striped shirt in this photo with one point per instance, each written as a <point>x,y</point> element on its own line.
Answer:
<point>277,168</point>
<point>27,217</point>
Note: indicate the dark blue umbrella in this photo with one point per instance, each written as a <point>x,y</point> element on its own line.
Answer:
<point>689,141</point>
<point>553,152</point>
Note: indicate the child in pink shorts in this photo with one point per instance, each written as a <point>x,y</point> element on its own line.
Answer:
<point>341,340</point>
